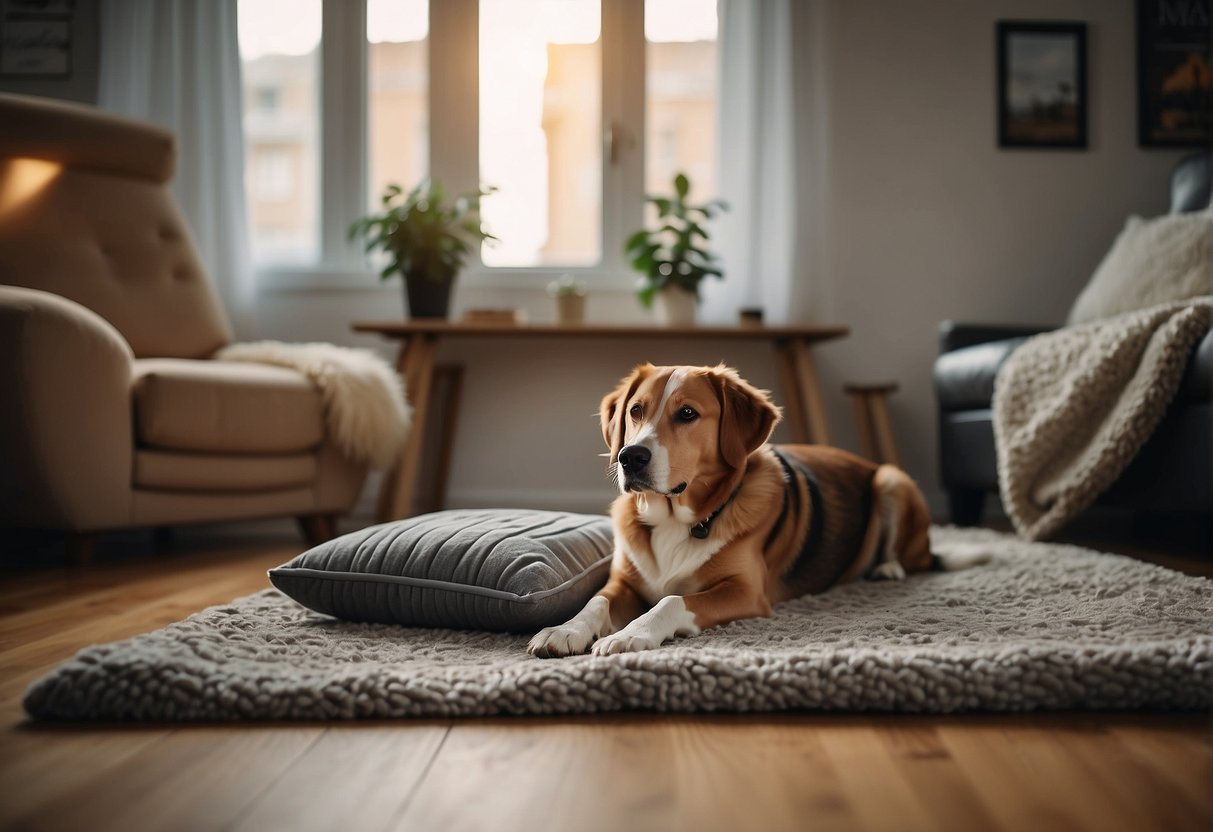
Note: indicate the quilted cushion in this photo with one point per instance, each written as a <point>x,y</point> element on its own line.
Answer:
<point>225,407</point>
<point>508,570</point>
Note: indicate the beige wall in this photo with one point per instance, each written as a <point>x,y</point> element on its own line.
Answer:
<point>927,219</point>
<point>921,218</point>
<point>924,218</point>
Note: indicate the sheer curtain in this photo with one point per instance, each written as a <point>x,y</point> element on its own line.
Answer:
<point>177,63</point>
<point>766,161</point>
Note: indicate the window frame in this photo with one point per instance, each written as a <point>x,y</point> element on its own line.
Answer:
<point>454,152</point>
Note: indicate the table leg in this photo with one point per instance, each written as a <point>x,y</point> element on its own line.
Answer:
<point>416,367</point>
<point>810,391</point>
<point>793,409</point>
<point>804,405</point>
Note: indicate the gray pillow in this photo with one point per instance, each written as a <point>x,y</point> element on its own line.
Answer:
<point>501,569</point>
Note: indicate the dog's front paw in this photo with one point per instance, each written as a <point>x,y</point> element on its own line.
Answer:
<point>626,641</point>
<point>565,640</point>
<point>890,570</point>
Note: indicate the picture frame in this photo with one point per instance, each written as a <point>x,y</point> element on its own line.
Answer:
<point>1042,84</point>
<point>1173,66</point>
<point>35,49</point>
<point>36,39</point>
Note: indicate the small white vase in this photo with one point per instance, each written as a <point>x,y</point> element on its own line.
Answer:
<point>675,307</point>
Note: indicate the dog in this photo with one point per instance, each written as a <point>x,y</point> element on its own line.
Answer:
<point>714,525</point>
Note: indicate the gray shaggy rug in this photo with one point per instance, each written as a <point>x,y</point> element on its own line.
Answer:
<point>1042,626</point>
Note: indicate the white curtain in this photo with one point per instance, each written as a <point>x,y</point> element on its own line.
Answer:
<point>177,63</point>
<point>762,164</point>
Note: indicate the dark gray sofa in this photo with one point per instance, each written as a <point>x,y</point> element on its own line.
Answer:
<point>1172,472</point>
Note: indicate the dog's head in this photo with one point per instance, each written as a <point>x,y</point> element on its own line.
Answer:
<point>670,426</point>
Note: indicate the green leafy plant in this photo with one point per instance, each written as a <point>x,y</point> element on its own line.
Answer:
<point>675,252</point>
<point>423,235</point>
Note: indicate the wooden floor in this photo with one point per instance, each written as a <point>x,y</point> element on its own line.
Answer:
<point>635,772</point>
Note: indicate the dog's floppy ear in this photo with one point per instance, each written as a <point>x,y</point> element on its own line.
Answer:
<point>747,416</point>
<point>613,406</point>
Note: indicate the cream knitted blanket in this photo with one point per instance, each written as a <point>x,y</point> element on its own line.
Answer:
<point>1073,407</point>
<point>365,408</point>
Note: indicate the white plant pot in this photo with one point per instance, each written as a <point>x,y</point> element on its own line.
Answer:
<point>675,307</point>
<point>570,309</point>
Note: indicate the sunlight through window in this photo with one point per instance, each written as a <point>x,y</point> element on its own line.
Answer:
<point>541,131</point>
<point>279,51</point>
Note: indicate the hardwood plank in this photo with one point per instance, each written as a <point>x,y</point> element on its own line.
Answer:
<point>39,765</point>
<point>768,772</point>
<point>380,766</point>
<point>872,782</point>
<point>193,778</point>
<point>519,775</point>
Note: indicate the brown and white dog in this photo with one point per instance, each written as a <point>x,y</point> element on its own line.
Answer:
<point>714,525</point>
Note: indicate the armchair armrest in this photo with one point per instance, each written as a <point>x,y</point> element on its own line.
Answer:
<point>954,335</point>
<point>65,430</point>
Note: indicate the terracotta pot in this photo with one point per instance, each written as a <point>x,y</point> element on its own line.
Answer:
<point>675,307</point>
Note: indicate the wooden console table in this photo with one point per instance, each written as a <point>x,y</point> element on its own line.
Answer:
<point>802,402</point>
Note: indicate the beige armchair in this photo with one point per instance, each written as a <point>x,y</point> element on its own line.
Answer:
<point>112,414</point>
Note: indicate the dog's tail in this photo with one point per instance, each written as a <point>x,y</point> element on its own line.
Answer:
<point>960,556</point>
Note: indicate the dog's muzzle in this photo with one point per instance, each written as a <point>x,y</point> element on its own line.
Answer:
<point>634,463</point>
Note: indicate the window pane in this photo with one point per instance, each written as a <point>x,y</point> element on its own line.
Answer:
<point>541,131</point>
<point>280,53</point>
<point>681,91</point>
<point>397,94</point>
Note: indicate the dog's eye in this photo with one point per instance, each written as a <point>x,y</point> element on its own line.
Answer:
<point>637,411</point>
<point>686,414</point>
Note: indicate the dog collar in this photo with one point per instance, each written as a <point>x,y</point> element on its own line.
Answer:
<point>703,528</point>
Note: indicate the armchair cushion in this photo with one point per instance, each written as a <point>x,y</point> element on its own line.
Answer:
<point>178,471</point>
<point>224,407</point>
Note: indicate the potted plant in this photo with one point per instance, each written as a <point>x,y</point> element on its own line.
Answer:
<point>673,258</point>
<point>426,240</point>
<point>569,294</point>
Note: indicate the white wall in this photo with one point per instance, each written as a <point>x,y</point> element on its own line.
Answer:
<point>920,218</point>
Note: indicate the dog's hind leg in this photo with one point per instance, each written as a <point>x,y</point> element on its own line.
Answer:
<point>904,522</point>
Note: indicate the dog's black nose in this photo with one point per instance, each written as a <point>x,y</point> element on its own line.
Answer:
<point>634,458</point>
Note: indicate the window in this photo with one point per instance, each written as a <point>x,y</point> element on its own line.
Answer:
<point>279,51</point>
<point>574,111</point>
<point>397,105</point>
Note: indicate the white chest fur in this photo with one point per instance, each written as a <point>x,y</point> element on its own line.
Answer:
<point>670,567</point>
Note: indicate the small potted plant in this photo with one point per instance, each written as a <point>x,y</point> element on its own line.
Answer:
<point>673,258</point>
<point>569,295</point>
<point>426,239</point>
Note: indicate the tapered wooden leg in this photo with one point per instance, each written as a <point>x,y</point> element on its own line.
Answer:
<point>80,548</point>
<point>810,391</point>
<point>416,366</point>
<point>876,440</point>
<point>793,408</point>
<point>803,405</point>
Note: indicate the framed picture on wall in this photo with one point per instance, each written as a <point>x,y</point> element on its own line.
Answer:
<point>1173,73</point>
<point>1042,84</point>
<point>36,38</point>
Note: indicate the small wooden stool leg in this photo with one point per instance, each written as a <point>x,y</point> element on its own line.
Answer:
<point>876,440</point>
